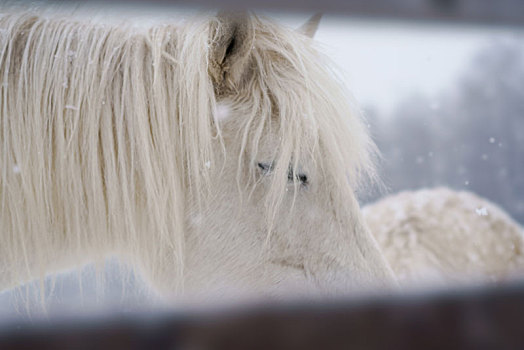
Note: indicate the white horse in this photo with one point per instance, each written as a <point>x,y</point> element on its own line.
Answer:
<point>221,154</point>
<point>446,238</point>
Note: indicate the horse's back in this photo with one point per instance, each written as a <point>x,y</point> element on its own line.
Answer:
<point>444,236</point>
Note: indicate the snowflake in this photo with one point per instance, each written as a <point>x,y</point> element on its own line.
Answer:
<point>482,211</point>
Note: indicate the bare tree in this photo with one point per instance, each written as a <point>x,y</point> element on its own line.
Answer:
<point>472,138</point>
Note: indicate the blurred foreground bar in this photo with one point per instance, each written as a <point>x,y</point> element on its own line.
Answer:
<point>504,12</point>
<point>487,318</point>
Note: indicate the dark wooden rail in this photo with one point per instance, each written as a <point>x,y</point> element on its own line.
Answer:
<point>487,318</point>
<point>505,12</point>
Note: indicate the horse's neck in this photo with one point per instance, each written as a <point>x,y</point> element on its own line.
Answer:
<point>359,267</point>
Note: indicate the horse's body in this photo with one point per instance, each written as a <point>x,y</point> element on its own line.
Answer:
<point>444,237</point>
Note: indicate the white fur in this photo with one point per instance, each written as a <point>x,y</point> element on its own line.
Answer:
<point>438,236</point>
<point>146,144</point>
<point>122,148</point>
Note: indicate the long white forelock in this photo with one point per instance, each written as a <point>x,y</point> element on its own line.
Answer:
<point>296,92</point>
<point>110,129</point>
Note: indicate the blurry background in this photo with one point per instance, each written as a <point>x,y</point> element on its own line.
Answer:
<point>444,102</point>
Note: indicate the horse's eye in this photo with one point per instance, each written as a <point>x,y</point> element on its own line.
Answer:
<point>265,167</point>
<point>303,178</point>
<point>298,176</point>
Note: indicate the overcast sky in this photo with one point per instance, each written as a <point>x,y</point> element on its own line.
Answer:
<point>387,61</point>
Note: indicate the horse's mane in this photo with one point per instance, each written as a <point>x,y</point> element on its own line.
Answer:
<point>105,129</point>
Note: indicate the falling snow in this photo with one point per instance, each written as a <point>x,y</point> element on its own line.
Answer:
<point>482,211</point>
<point>223,111</point>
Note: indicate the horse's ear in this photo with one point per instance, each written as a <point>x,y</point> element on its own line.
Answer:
<point>310,27</point>
<point>231,37</point>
